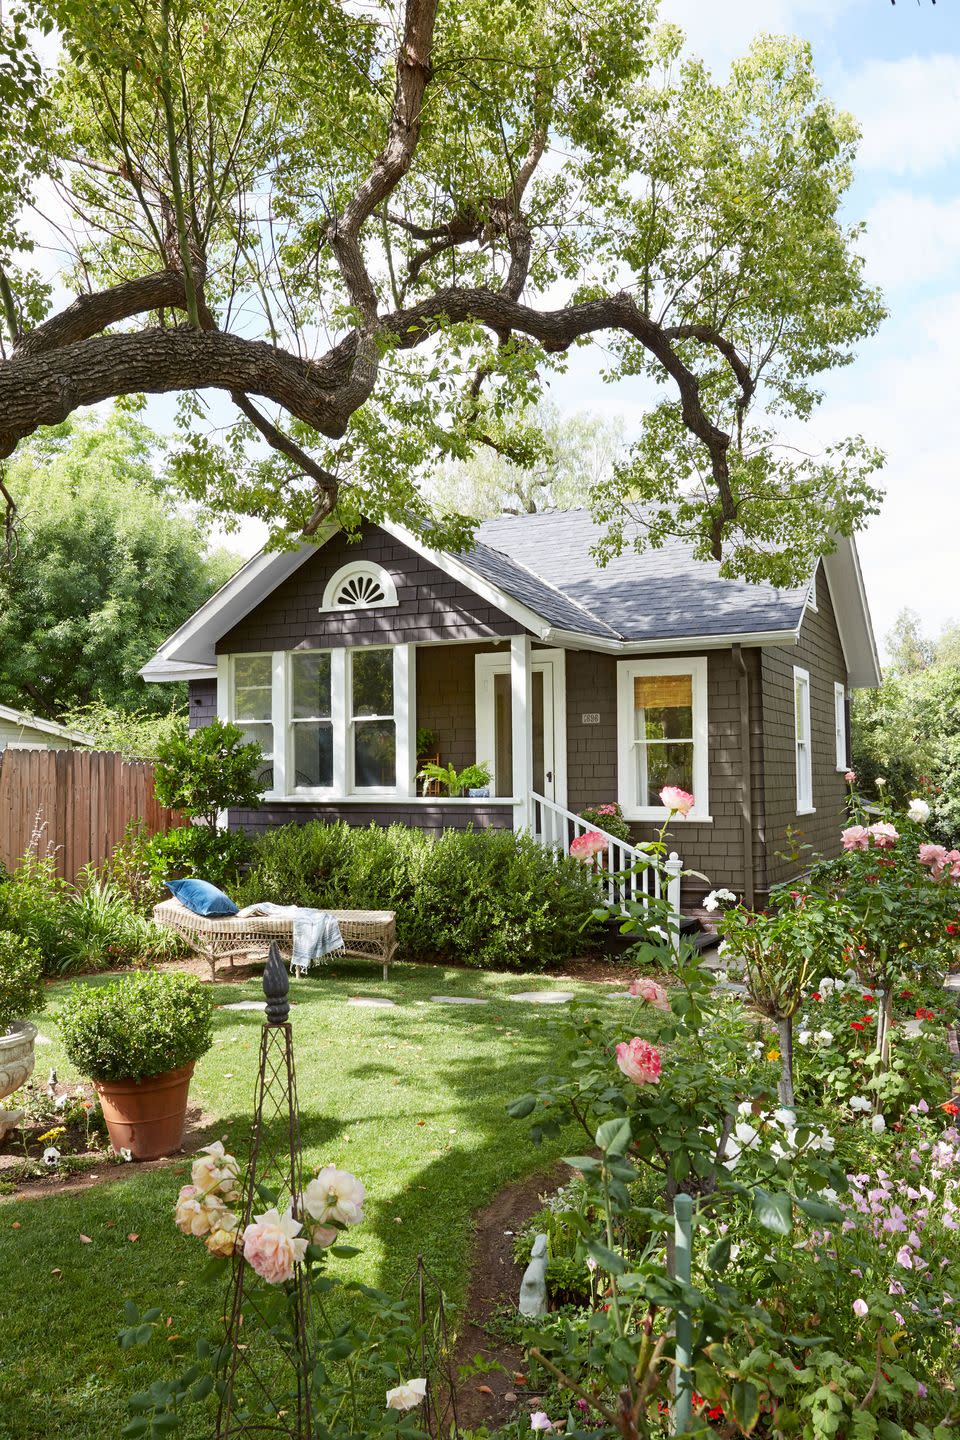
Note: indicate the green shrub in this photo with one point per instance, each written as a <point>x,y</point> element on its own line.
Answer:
<point>214,855</point>
<point>213,769</point>
<point>88,926</point>
<point>21,980</point>
<point>137,1026</point>
<point>486,898</point>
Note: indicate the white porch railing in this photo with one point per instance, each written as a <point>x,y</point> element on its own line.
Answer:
<point>625,877</point>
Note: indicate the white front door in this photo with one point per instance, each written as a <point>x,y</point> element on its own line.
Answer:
<point>494,712</point>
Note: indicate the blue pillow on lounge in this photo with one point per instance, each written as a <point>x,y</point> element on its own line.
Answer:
<point>201,897</point>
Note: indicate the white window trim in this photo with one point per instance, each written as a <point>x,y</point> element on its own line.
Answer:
<point>359,568</point>
<point>341,706</point>
<point>627,671</point>
<point>840,724</point>
<point>490,663</point>
<point>805,805</point>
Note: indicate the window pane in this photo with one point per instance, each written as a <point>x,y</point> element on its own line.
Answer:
<point>659,765</point>
<point>374,753</point>
<point>373,682</point>
<point>262,735</point>
<point>252,687</point>
<point>313,755</point>
<point>663,707</point>
<point>311,685</point>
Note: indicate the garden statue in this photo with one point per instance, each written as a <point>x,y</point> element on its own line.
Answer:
<point>533,1287</point>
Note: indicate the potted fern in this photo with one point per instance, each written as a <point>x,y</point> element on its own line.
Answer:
<point>138,1039</point>
<point>474,779</point>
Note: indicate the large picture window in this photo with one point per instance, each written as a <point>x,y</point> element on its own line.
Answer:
<point>662,734</point>
<point>252,704</point>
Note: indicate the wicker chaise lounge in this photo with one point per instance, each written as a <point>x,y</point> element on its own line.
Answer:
<point>367,934</point>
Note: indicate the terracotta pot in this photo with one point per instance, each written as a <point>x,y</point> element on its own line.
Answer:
<point>146,1116</point>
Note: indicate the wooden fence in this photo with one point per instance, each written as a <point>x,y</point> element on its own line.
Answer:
<point>74,805</point>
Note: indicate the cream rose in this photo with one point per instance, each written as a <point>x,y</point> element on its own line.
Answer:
<point>407,1397</point>
<point>216,1171</point>
<point>335,1195</point>
<point>272,1247</point>
<point>197,1214</point>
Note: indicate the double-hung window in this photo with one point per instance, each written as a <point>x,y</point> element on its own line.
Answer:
<point>251,705</point>
<point>840,723</point>
<point>372,726</point>
<point>311,719</point>
<point>662,734</point>
<point>802,741</point>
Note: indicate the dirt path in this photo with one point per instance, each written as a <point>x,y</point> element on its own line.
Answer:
<point>490,1399</point>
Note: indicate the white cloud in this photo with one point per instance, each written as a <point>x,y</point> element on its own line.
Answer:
<point>720,30</point>
<point>911,239</point>
<point>909,111</point>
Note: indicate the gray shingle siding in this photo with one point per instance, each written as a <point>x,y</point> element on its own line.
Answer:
<point>202,703</point>
<point>434,819</point>
<point>430,606</point>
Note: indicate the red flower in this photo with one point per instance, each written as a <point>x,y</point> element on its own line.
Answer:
<point>869,999</point>
<point>950,1108</point>
<point>952,929</point>
<point>867,1019</point>
<point>922,1014</point>
<point>716,1413</point>
<point>905,995</point>
<point>855,1025</point>
<point>815,995</point>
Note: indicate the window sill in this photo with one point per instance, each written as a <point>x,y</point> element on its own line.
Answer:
<point>807,810</point>
<point>657,816</point>
<point>384,797</point>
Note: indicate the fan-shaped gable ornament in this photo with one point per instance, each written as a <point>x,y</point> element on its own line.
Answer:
<point>359,587</point>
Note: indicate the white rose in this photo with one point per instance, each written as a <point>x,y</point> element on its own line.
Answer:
<point>785,1117</point>
<point>804,1037</point>
<point>335,1195</point>
<point>825,1037</point>
<point>407,1397</point>
<point>859,1102</point>
<point>878,1124</point>
<point>918,810</point>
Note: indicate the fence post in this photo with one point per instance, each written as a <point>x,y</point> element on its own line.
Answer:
<point>674,868</point>
<point>683,1238</point>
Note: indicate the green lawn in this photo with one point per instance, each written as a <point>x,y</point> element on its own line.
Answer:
<point>411,1099</point>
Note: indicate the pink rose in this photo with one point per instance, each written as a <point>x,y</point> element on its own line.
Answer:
<point>884,835</point>
<point>935,856</point>
<point>952,858</point>
<point>677,801</point>
<point>272,1247</point>
<point>860,1308</point>
<point>639,1061</point>
<point>649,990</point>
<point>855,837</point>
<point>585,846</point>
<point>850,776</point>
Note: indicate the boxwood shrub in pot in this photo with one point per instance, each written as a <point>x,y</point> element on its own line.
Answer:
<point>21,994</point>
<point>138,1038</point>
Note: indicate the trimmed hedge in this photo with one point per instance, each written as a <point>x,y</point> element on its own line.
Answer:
<point>486,898</point>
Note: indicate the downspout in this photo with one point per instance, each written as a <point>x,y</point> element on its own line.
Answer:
<point>746,776</point>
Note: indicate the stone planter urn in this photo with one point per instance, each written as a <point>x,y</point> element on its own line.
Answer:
<point>16,1067</point>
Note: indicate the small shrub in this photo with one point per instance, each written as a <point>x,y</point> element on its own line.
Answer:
<point>211,770</point>
<point>214,855</point>
<point>137,1026</point>
<point>21,979</point>
<point>607,817</point>
<point>486,898</point>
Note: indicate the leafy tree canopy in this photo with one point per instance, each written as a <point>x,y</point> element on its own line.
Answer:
<point>392,224</point>
<point>103,568</point>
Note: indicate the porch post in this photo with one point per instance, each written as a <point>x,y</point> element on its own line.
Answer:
<point>521,694</point>
<point>405,699</point>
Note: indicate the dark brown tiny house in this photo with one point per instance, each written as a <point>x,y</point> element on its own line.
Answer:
<point>576,685</point>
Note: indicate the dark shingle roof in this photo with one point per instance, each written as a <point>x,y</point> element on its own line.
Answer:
<point>544,561</point>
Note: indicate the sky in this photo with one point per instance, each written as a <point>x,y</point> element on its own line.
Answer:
<point>897,68</point>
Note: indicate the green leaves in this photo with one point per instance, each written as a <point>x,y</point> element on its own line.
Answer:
<point>613,1136</point>
<point>774,1211</point>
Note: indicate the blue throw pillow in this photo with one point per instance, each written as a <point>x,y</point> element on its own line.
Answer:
<point>201,897</point>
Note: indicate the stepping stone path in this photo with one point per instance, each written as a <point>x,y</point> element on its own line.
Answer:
<point>245,1005</point>
<point>455,1000</point>
<point>374,1002</point>
<point>543,997</point>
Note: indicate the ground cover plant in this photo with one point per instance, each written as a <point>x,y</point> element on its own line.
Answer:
<point>486,898</point>
<point>411,1099</point>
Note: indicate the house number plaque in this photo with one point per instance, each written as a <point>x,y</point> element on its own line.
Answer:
<point>592,717</point>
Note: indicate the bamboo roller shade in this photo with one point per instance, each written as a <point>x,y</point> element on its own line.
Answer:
<point>652,691</point>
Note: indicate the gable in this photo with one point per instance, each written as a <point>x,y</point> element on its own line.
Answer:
<point>431,605</point>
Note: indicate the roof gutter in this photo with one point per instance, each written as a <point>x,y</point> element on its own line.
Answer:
<point>667,643</point>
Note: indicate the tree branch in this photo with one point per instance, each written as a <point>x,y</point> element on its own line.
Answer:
<point>327,483</point>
